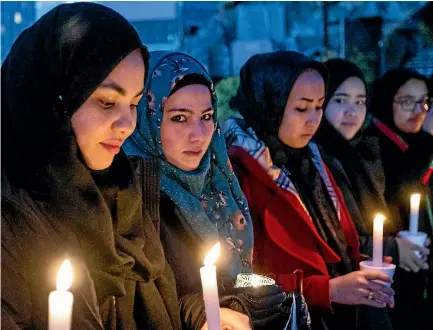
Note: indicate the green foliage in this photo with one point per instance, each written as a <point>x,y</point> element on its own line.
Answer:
<point>225,90</point>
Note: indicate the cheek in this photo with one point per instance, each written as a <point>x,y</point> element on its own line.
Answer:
<point>334,115</point>
<point>171,137</point>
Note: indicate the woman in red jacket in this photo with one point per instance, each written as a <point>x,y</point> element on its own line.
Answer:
<point>300,219</point>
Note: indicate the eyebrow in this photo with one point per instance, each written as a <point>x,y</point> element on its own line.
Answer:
<point>119,89</point>
<point>407,96</point>
<point>310,100</point>
<point>189,110</point>
<point>347,95</point>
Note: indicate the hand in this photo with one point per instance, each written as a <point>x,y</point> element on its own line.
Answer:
<point>264,303</point>
<point>428,122</point>
<point>355,288</point>
<point>409,261</point>
<point>232,320</point>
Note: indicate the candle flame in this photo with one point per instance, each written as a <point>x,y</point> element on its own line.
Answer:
<point>212,255</point>
<point>415,200</point>
<point>379,217</point>
<point>64,276</point>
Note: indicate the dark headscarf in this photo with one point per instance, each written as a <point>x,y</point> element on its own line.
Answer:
<point>356,160</point>
<point>384,91</point>
<point>265,84</point>
<point>339,71</point>
<point>51,70</point>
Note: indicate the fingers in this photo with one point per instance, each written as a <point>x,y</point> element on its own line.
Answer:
<point>375,286</point>
<point>420,263</point>
<point>372,303</point>
<point>374,275</point>
<point>427,242</point>
<point>421,249</point>
<point>387,259</point>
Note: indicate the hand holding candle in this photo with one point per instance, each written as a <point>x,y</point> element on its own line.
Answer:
<point>61,300</point>
<point>414,213</point>
<point>210,289</point>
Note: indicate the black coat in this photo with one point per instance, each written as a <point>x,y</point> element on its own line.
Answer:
<point>34,242</point>
<point>357,169</point>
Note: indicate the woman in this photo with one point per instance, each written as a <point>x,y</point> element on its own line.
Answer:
<point>68,190</point>
<point>355,162</point>
<point>300,219</point>
<point>201,201</point>
<point>400,105</point>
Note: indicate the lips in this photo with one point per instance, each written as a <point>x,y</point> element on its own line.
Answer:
<point>193,153</point>
<point>111,147</point>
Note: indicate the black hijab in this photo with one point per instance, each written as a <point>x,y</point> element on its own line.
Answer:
<point>383,94</point>
<point>266,81</point>
<point>52,68</point>
<point>355,163</point>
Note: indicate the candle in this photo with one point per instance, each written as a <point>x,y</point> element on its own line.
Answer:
<point>60,301</point>
<point>378,240</point>
<point>414,212</point>
<point>210,289</point>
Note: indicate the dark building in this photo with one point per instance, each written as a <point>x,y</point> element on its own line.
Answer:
<point>15,17</point>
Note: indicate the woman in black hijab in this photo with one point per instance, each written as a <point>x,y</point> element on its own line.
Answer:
<point>400,104</point>
<point>70,86</point>
<point>299,215</point>
<point>355,162</point>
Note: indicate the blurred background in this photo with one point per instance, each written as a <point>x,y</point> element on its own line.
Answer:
<point>222,35</point>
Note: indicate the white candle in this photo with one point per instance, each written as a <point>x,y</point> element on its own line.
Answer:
<point>378,240</point>
<point>414,212</point>
<point>210,289</point>
<point>61,300</point>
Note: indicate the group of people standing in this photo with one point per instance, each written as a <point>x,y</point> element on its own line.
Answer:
<point>115,159</point>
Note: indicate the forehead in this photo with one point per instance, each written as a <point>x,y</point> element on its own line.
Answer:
<point>413,87</point>
<point>190,96</point>
<point>309,83</point>
<point>351,83</point>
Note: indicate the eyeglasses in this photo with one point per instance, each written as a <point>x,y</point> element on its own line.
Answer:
<point>409,105</point>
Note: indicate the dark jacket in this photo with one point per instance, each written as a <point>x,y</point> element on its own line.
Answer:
<point>34,242</point>
<point>357,169</point>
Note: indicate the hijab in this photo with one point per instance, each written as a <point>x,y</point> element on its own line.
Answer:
<point>384,90</point>
<point>51,70</point>
<point>266,81</point>
<point>358,159</point>
<point>209,198</point>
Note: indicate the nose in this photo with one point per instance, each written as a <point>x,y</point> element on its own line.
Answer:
<point>350,110</point>
<point>197,131</point>
<point>314,117</point>
<point>124,124</point>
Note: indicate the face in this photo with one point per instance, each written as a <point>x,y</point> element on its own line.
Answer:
<point>109,115</point>
<point>303,111</point>
<point>346,110</point>
<point>187,126</point>
<point>410,106</point>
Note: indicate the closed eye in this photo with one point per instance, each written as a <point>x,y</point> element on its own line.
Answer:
<point>301,109</point>
<point>106,105</point>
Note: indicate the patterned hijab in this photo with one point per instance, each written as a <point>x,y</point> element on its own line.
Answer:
<point>209,198</point>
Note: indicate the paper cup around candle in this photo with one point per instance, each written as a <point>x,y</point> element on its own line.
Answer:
<point>388,269</point>
<point>419,239</point>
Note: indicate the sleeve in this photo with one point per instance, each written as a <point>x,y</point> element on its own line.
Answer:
<point>15,291</point>
<point>192,310</point>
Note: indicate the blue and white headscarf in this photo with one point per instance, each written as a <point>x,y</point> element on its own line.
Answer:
<point>209,198</point>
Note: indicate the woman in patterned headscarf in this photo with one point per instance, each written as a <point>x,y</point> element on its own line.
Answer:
<point>201,200</point>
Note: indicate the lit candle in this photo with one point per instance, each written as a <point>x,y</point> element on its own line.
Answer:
<point>378,240</point>
<point>61,300</point>
<point>414,212</point>
<point>210,289</point>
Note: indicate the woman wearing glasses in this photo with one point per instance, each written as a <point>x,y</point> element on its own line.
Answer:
<point>400,105</point>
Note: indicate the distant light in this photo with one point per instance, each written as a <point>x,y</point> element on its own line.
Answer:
<point>18,18</point>
<point>3,29</point>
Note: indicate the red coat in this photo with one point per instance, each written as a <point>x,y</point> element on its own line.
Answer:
<point>285,238</point>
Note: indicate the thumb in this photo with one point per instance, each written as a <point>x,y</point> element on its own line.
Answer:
<point>387,259</point>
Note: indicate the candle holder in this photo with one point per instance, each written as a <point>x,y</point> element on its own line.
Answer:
<point>419,239</point>
<point>388,269</point>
